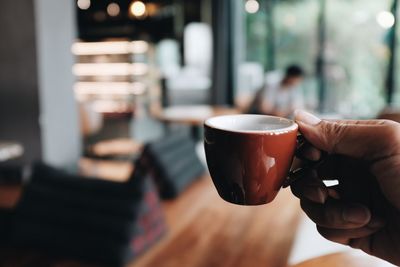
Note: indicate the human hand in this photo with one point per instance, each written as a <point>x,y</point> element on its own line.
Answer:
<point>363,210</point>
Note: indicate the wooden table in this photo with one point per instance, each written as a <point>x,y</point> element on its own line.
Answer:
<point>10,150</point>
<point>193,115</point>
<point>124,148</point>
<point>349,259</point>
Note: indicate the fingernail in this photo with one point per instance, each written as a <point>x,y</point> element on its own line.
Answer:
<point>307,118</point>
<point>356,213</point>
<point>315,194</point>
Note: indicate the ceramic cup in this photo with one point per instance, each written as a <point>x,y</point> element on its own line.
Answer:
<point>249,156</point>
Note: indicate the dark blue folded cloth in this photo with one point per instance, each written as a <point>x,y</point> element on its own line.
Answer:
<point>48,176</point>
<point>11,174</point>
<point>174,162</point>
<point>6,226</point>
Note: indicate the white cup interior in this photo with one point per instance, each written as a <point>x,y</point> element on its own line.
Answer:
<point>251,123</point>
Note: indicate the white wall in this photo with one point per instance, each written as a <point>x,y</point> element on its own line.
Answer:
<point>55,31</point>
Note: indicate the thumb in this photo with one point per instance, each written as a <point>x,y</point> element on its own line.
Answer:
<point>368,140</point>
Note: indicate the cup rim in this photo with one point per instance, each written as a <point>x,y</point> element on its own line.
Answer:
<point>293,125</point>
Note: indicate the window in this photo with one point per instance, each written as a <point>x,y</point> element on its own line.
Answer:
<point>356,52</point>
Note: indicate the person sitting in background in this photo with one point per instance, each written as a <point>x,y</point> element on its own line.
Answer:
<point>280,95</point>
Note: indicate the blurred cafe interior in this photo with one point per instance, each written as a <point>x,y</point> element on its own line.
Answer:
<point>102,108</point>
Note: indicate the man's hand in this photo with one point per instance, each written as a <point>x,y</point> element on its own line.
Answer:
<point>363,211</point>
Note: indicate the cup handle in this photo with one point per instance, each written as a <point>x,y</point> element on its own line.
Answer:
<point>296,174</point>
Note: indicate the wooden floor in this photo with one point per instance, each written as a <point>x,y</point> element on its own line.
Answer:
<point>345,259</point>
<point>205,231</point>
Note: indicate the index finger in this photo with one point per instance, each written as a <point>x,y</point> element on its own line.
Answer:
<point>369,140</point>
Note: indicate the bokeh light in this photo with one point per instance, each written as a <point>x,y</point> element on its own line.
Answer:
<point>252,6</point>
<point>138,9</point>
<point>113,9</point>
<point>385,19</point>
<point>83,4</point>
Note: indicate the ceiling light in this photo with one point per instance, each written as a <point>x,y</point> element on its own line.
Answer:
<point>138,9</point>
<point>113,9</point>
<point>252,6</point>
<point>83,4</point>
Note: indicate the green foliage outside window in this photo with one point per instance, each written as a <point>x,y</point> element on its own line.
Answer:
<point>356,52</point>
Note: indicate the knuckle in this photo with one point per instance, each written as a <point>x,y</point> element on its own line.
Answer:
<point>332,216</point>
<point>323,215</point>
<point>333,133</point>
<point>317,213</point>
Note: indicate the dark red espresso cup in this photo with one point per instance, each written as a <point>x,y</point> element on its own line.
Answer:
<point>249,156</point>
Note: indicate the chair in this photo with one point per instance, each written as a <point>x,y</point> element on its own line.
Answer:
<point>174,163</point>
<point>189,84</point>
<point>91,220</point>
<point>198,47</point>
<point>168,57</point>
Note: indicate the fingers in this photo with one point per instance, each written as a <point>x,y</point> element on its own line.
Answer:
<point>346,236</point>
<point>333,192</point>
<point>324,207</point>
<point>310,188</point>
<point>327,169</point>
<point>336,214</point>
<point>357,122</point>
<point>309,153</point>
<point>352,139</point>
